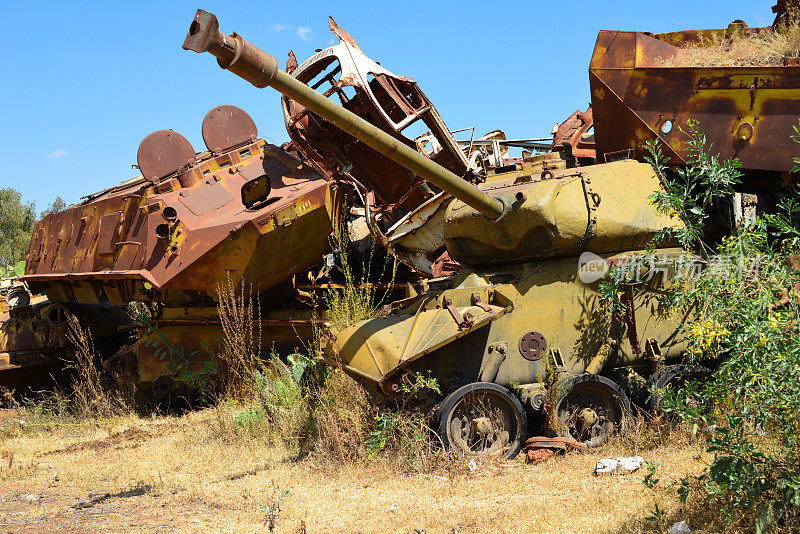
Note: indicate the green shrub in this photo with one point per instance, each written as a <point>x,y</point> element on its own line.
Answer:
<point>745,317</point>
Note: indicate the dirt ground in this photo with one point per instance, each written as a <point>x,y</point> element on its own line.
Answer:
<point>185,474</point>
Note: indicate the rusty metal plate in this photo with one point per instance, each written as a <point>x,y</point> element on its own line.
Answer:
<point>286,215</point>
<point>162,153</point>
<point>108,232</point>
<point>38,241</point>
<point>206,199</point>
<point>532,345</point>
<point>225,127</point>
<point>560,443</point>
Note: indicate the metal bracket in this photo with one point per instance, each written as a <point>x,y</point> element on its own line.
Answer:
<point>652,352</point>
<point>557,358</point>
<point>476,300</point>
<point>463,321</point>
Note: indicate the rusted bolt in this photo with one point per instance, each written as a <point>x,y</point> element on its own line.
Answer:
<point>744,132</point>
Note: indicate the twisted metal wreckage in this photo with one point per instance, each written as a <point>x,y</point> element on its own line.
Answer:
<point>486,297</point>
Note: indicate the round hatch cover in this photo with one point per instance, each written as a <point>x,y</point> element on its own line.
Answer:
<point>532,345</point>
<point>162,153</point>
<point>225,127</point>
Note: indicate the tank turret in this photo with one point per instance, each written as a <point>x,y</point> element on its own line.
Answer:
<point>513,216</point>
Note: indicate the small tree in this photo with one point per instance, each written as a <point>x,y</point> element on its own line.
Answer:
<point>16,224</point>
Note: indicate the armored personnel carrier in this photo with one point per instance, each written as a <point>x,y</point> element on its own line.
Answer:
<point>191,224</point>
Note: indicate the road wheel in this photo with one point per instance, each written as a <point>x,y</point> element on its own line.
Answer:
<point>483,418</point>
<point>671,376</point>
<point>591,409</point>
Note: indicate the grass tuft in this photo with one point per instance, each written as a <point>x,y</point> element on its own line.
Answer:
<point>756,50</point>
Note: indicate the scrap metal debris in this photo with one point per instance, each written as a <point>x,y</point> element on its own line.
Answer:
<point>540,449</point>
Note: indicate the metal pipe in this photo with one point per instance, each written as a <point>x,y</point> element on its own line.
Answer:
<point>601,358</point>
<point>261,69</point>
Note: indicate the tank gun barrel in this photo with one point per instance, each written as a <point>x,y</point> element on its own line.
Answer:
<point>261,69</point>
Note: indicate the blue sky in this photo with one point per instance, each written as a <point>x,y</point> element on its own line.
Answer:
<point>85,82</point>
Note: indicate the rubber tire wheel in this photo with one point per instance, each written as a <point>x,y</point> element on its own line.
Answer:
<point>452,401</point>
<point>624,402</point>
<point>662,377</point>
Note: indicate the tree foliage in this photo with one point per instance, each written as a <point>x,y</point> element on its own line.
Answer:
<point>692,191</point>
<point>16,224</point>
<point>55,206</point>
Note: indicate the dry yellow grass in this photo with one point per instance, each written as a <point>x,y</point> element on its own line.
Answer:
<point>186,475</point>
<point>764,49</point>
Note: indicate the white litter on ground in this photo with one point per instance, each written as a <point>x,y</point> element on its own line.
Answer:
<point>618,466</point>
<point>680,528</point>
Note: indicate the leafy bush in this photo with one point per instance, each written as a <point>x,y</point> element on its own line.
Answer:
<point>16,224</point>
<point>745,317</point>
<point>749,412</point>
<point>404,432</point>
<point>691,191</point>
<point>199,375</point>
<point>348,428</point>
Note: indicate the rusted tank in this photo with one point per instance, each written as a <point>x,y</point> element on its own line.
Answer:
<point>34,336</point>
<point>246,212</point>
<point>646,86</point>
<point>519,320</point>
